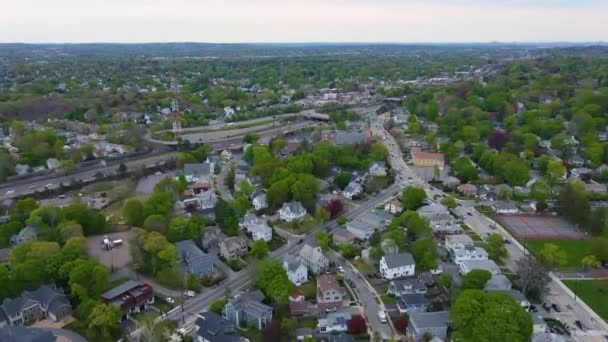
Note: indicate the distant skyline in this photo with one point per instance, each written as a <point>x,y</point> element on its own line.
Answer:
<point>272,21</point>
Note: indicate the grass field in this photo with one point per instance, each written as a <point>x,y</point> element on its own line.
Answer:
<point>575,250</point>
<point>307,224</point>
<point>593,292</point>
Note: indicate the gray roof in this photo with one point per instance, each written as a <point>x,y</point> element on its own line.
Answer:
<point>304,332</point>
<point>504,206</point>
<point>198,169</point>
<point>350,138</point>
<point>47,295</point>
<point>251,304</point>
<point>360,226</point>
<point>341,337</point>
<point>294,207</point>
<point>213,327</point>
<point>24,334</point>
<point>498,282</point>
<point>292,262</point>
<point>120,289</point>
<point>398,260</point>
<point>353,187</point>
<point>429,319</point>
<point>199,262</point>
<point>414,299</point>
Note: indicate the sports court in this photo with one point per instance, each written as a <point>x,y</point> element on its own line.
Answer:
<point>540,227</point>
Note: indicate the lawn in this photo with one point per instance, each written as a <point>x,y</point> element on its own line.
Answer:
<point>364,267</point>
<point>276,242</point>
<point>302,227</point>
<point>575,250</point>
<point>386,299</point>
<point>306,323</point>
<point>252,334</point>
<point>309,289</point>
<point>593,292</point>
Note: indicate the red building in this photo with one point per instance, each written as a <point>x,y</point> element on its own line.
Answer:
<point>131,297</point>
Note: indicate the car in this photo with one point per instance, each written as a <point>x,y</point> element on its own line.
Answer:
<point>579,325</point>
<point>331,309</point>
<point>556,307</point>
<point>507,241</point>
<point>340,269</point>
<point>158,173</point>
<point>382,316</point>
<point>190,294</point>
<point>300,241</point>
<point>546,307</point>
<point>48,185</point>
<point>532,308</point>
<point>10,192</point>
<point>170,300</point>
<point>470,214</point>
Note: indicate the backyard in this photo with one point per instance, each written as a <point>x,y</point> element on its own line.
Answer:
<point>593,292</point>
<point>575,250</point>
<point>299,227</point>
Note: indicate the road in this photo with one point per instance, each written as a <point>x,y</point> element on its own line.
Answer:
<point>220,126</point>
<point>572,309</point>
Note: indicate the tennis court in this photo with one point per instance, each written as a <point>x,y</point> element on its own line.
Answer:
<point>540,227</point>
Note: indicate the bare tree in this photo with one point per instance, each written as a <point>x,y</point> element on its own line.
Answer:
<point>533,276</point>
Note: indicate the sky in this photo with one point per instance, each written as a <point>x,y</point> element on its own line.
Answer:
<point>235,21</point>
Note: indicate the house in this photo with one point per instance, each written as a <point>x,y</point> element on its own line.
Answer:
<point>329,293</point>
<point>505,208</point>
<point>353,137</point>
<point>360,230</point>
<point>340,236</point>
<point>426,159</point>
<point>248,308</point>
<point>211,237</point>
<point>334,321</point>
<point>195,261</point>
<point>233,247</point>
<point>397,265</point>
<point>260,231</point>
<point>413,302</point>
<point>377,169</point>
<point>44,302</point>
<point>467,266</point>
<point>468,253</point>
<point>25,235</point>
<point>498,282</point>
<point>24,334</point>
<point>226,155</point>
<point>450,182</point>
<point>298,306</point>
<point>131,297</point>
<point>259,201</point>
<point>353,189</point>
<point>340,337</point>
<point>198,172</point>
<point>313,259</point>
<point>303,333</point>
<point>503,190</point>
<point>296,271</point>
<point>394,207</point>
<point>468,189</point>
<point>407,285</point>
<point>434,324</point>
<point>211,327</point>
<point>292,211</point>
<point>436,213</point>
<point>457,241</point>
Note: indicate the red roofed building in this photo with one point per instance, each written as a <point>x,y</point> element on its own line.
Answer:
<point>131,297</point>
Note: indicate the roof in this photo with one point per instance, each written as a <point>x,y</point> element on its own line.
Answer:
<point>46,295</point>
<point>353,187</point>
<point>291,262</point>
<point>419,154</point>
<point>341,337</point>
<point>189,249</point>
<point>429,319</point>
<point>120,289</point>
<point>414,299</point>
<point>498,282</point>
<point>24,334</point>
<point>294,207</point>
<point>327,282</point>
<point>311,253</point>
<point>234,242</point>
<point>459,238</point>
<point>215,328</point>
<point>350,138</point>
<point>399,260</point>
<point>251,304</point>
<point>304,332</point>
<point>201,169</point>
<point>504,206</point>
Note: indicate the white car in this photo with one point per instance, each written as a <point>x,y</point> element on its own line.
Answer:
<point>170,300</point>
<point>190,294</point>
<point>10,192</point>
<point>340,269</point>
<point>382,316</point>
<point>158,173</point>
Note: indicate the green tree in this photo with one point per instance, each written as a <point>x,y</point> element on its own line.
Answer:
<point>104,320</point>
<point>217,306</point>
<point>573,203</point>
<point>87,278</point>
<point>70,229</point>
<point>495,246</point>
<point>133,211</point>
<point>412,197</point>
<point>348,250</point>
<point>156,223</point>
<point>342,180</point>
<point>273,280</point>
<point>22,209</point>
<point>230,177</point>
<point>475,279</point>
<point>322,215</point>
<point>192,282</point>
<point>425,253</point>
<point>552,256</point>
<point>323,240</point>
<point>159,203</point>
<point>259,249</point>
<point>464,169</point>
<point>493,316</point>
<point>590,261</point>
<point>555,171</point>
<point>449,202</point>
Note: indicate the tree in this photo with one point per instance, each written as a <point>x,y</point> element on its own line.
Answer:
<point>230,177</point>
<point>555,170</point>
<point>259,249</point>
<point>192,282</point>
<point>412,197</point>
<point>573,203</point>
<point>375,239</point>
<point>226,217</point>
<point>335,207</point>
<point>348,251</point>
<point>342,180</point>
<point>495,246</point>
<point>532,276</point>
<point>159,203</point>
<point>598,247</point>
<point>104,320</point>
<point>217,306</point>
<point>464,169</point>
<point>356,325</point>
<point>493,316</point>
<point>272,279</point>
<point>590,261</point>
<point>449,202</point>
<point>475,279</point>
<point>323,240</point>
<point>552,256</point>
<point>22,209</point>
<point>87,278</point>
<point>425,253</point>
<point>322,215</point>
<point>498,139</point>
<point>70,229</point>
<point>133,211</point>
<point>445,280</point>
<point>156,223</point>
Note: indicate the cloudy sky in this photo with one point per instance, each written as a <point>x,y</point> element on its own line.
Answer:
<point>302,20</point>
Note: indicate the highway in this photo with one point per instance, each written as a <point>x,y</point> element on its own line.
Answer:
<point>571,309</point>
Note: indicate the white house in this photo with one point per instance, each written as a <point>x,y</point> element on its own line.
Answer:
<point>260,231</point>
<point>377,169</point>
<point>397,265</point>
<point>292,211</point>
<point>394,207</point>
<point>469,253</point>
<point>334,322</point>
<point>313,258</point>
<point>297,272</point>
<point>360,230</point>
<point>457,241</point>
<point>259,201</point>
<point>352,189</point>
<point>467,266</point>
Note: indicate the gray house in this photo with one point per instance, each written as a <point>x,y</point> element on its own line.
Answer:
<point>27,234</point>
<point>211,237</point>
<point>194,259</point>
<point>433,323</point>
<point>211,327</point>
<point>44,302</point>
<point>413,302</point>
<point>248,308</point>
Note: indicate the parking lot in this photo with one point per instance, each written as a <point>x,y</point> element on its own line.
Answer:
<point>117,257</point>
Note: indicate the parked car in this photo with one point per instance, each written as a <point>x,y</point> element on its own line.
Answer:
<point>507,241</point>
<point>546,307</point>
<point>579,325</point>
<point>170,300</point>
<point>556,307</point>
<point>189,293</point>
